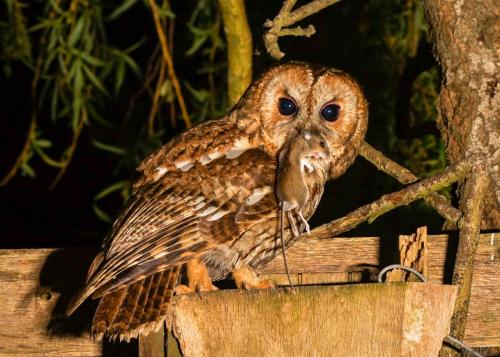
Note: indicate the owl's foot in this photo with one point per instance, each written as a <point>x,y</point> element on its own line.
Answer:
<point>246,278</point>
<point>198,279</point>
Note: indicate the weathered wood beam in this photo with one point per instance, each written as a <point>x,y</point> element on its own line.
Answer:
<point>396,319</point>
<point>152,345</point>
<point>36,284</point>
<point>349,260</point>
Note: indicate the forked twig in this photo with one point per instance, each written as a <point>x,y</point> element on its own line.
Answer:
<point>286,17</point>
<point>170,64</point>
<point>405,176</point>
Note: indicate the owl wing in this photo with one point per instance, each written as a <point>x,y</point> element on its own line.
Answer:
<point>181,216</point>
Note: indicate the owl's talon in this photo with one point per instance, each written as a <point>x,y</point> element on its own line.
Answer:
<point>246,278</point>
<point>198,279</point>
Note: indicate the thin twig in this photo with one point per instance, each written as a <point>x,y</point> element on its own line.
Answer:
<point>152,68</point>
<point>33,120</point>
<point>393,200</point>
<point>156,99</point>
<point>211,61</point>
<point>71,150</point>
<point>172,109</point>
<point>403,175</point>
<point>286,17</point>
<point>474,191</point>
<point>168,59</point>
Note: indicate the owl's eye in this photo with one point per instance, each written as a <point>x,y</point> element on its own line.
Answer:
<point>330,112</point>
<point>287,106</point>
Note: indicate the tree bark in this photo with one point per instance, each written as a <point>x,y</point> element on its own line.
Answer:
<point>466,35</point>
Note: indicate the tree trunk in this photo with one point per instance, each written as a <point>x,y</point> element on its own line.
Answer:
<point>466,35</point>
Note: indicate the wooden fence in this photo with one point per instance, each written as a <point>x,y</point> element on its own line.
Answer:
<point>36,284</point>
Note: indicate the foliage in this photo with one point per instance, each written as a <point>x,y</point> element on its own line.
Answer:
<point>77,72</point>
<point>93,74</point>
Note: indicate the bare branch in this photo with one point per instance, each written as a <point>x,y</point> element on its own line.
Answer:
<point>299,31</point>
<point>403,175</point>
<point>393,200</point>
<point>308,10</point>
<point>475,188</point>
<point>287,17</point>
<point>168,59</point>
<point>239,47</point>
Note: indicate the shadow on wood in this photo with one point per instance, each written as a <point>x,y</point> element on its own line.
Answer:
<point>36,284</point>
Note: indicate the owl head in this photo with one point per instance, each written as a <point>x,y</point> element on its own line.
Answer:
<point>295,96</point>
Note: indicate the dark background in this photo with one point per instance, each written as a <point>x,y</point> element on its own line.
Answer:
<point>351,35</point>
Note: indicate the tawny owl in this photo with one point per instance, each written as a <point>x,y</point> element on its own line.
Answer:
<point>205,201</point>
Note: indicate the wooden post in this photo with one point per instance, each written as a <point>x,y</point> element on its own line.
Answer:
<point>397,319</point>
<point>152,345</point>
<point>413,253</point>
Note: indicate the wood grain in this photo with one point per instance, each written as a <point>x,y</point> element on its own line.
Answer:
<point>350,260</point>
<point>398,319</point>
<point>152,345</point>
<point>36,284</point>
<point>30,315</point>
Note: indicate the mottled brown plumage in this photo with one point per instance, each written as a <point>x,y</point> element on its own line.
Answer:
<point>207,198</point>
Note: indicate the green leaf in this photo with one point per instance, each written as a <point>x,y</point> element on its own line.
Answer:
<point>119,76</point>
<point>56,7</point>
<point>199,94</point>
<point>103,216</point>
<point>28,170</point>
<point>109,148</point>
<point>117,186</point>
<point>128,60</point>
<point>43,143</point>
<point>135,45</point>
<point>125,5</point>
<point>54,102</point>
<point>93,78</point>
<point>77,31</point>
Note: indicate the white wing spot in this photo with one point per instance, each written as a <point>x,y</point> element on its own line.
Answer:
<point>184,165</point>
<point>218,215</point>
<point>210,157</point>
<point>207,211</point>
<point>257,195</point>
<point>159,172</point>
<point>239,148</point>
<point>199,206</point>
<point>196,201</point>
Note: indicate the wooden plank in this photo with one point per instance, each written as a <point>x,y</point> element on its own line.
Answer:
<point>398,319</point>
<point>36,284</point>
<point>152,345</point>
<point>35,287</point>
<point>31,310</point>
<point>483,319</point>
<point>348,260</point>
<point>313,255</point>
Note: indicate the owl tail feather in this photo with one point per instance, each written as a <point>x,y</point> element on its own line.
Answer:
<point>136,309</point>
